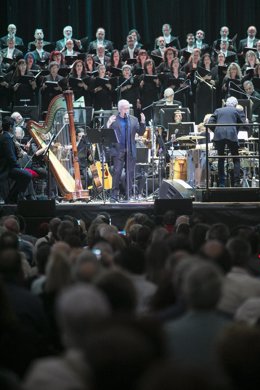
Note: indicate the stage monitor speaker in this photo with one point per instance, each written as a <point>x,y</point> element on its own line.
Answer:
<point>231,195</point>
<point>175,189</point>
<point>37,208</point>
<point>180,206</point>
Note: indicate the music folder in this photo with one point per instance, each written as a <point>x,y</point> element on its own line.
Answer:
<point>157,59</point>
<point>26,79</point>
<point>131,61</point>
<point>116,71</point>
<point>101,82</point>
<point>203,72</point>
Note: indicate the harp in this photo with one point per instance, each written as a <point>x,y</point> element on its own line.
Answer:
<point>65,165</point>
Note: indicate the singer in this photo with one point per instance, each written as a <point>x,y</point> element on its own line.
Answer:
<point>124,152</point>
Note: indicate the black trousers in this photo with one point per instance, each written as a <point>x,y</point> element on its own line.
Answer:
<point>21,179</point>
<point>233,148</point>
<point>120,161</point>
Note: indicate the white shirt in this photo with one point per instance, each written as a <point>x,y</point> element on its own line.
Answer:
<point>250,42</point>
<point>131,52</point>
<point>10,53</point>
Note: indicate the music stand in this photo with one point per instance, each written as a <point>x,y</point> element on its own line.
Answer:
<point>104,137</point>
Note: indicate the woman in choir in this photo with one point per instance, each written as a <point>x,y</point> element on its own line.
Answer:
<point>232,82</point>
<point>169,54</point>
<point>102,90</point>
<point>139,66</point>
<point>78,82</point>
<point>190,70</point>
<point>250,63</point>
<point>149,88</point>
<point>176,80</point>
<point>23,85</point>
<point>4,86</point>
<point>31,66</point>
<point>129,88</point>
<point>114,70</point>
<point>205,91</point>
<point>51,86</point>
<point>218,72</point>
<point>90,64</point>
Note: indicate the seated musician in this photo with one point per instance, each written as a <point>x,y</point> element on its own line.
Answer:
<point>9,166</point>
<point>169,98</point>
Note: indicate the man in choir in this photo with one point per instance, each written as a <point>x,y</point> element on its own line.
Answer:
<point>224,36</point>
<point>170,39</point>
<point>100,41</point>
<point>227,136</point>
<point>38,34</point>
<point>253,95</point>
<point>249,41</point>
<point>39,54</point>
<point>230,56</point>
<point>129,51</point>
<point>10,51</point>
<point>199,42</point>
<point>100,57</point>
<point>67,34</point>
<point>11,34</point>
<point>9,166</point>
<point>124,152</point>
<point>160,47</point>
<point>184,54</point>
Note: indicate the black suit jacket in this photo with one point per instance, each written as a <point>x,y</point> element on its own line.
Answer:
<point>92,48</point>
<point>124,54</point>
<point>243,44</point>
<point>18,41</point>
<point>8,159</point>
<point>226,115</point>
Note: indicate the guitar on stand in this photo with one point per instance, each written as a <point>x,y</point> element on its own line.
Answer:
<point>101,137</point>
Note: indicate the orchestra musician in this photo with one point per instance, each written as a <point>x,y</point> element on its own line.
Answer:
<point>9,166</point>
<point>123,153</point>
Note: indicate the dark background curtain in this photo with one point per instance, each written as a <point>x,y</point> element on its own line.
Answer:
<point>119,16</point>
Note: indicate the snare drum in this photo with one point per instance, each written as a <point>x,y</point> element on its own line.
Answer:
<point>180,168</point>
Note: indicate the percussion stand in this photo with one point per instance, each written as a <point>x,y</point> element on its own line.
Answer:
<point>153,147</point>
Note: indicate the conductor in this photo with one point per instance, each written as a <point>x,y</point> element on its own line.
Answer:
<point>124,152</point>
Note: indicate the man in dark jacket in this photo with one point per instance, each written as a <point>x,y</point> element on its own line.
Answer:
<point>227,136</point>
<point>9,167</point>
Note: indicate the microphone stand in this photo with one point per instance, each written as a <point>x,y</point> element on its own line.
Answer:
<point>197,75</point>
<point>118,88</point>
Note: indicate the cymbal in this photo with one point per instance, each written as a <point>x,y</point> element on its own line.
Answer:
<point>5,112</point>
<point>103,112</point>
<point>190,137</point>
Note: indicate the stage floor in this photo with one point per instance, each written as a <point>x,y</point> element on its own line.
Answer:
<point>233,213</point>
